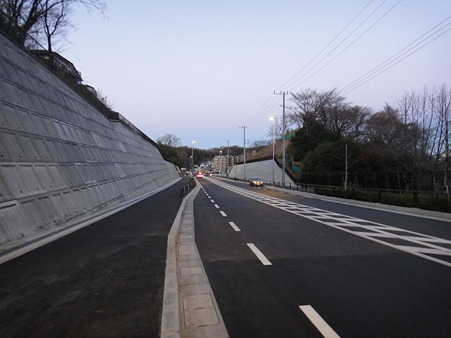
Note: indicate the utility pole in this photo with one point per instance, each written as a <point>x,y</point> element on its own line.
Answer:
<point>346,166</point>
<point>283,137</point>
<point>244,150</point>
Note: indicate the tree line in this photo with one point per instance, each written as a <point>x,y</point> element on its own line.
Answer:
<point>406,145</point>
<point>172,150</point>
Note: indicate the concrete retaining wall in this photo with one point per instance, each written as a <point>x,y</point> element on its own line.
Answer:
<point>262,169</point>
<point>60,158</point>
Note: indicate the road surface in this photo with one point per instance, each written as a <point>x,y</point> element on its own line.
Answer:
<point>282,265</point>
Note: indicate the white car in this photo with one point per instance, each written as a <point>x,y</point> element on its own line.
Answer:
<point>256,182</point>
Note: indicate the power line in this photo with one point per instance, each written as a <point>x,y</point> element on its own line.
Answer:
<point>327,45</point>
<point>349,45</point>
<point>266,111</point>
<point>270,103</point>
<point>301,76</point>
<point>263,108</point>
<point>425,39</point>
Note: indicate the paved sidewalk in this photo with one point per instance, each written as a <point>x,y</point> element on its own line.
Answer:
<point>189,305</point>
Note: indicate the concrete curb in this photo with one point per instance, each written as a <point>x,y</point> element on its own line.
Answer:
<point>189,305</point>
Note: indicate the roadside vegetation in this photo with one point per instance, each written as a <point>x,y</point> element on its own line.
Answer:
<point>399,155</point>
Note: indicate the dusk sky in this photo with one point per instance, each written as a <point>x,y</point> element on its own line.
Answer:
<point>202,69</point>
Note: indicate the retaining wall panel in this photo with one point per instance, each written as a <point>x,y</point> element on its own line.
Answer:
<point>32,184</point>
<point>15,225</point>
<point>12,180</point>
<point>43,173</point>
<point>60,158</point>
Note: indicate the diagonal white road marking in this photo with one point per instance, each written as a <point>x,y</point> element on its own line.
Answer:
<point>422,245</point>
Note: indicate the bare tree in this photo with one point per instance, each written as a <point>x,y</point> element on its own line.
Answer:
<point>311,104</point>
<point>444,111</point>
<point>330,110</point>
<point>169,140</point>
<point>348,121</point>
<point>38,17</point>
<point>22,15</point>
<point>384,130</point>
<point>261,143</point>
<point>54,19</point>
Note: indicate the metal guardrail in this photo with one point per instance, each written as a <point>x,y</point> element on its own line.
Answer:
<point>185,190</point>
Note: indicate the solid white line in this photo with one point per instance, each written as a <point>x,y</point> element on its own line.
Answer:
<point>233,225</point>
<point>223,213</point>
<point>318,321</point>
<point>259,254</point>
<point>216,206</point>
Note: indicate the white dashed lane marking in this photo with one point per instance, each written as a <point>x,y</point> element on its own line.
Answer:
<point>259,254</point>
<point>428,247</point>
<point>318,321</point>
<point>233,225</point>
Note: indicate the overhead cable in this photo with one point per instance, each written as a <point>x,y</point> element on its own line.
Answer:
<point>425,39</point>
<point>348,46</point>
<point>286,84</point>
<point>270,104</point>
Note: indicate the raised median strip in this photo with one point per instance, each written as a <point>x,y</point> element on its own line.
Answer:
<point>189,305</point>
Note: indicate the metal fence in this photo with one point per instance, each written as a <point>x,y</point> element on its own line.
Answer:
<point>427,182</point>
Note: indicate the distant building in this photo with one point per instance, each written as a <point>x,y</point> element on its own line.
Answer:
<point>222,164</point>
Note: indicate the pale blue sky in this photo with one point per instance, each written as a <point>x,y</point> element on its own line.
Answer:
<point>200,69</point>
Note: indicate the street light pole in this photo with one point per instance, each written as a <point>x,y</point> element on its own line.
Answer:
<point>244,150</point>
<point>273,141</point>
<point>192,157</point>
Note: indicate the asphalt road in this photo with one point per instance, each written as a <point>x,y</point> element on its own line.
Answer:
<point>365,272</point>
<point>105,280</point>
